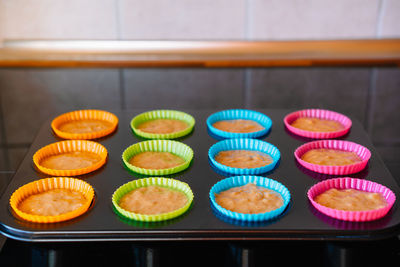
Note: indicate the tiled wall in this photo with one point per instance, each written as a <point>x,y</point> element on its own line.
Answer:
<point>31,96</point>
<point>205,20</point>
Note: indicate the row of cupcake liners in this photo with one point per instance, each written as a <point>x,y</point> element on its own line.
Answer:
<point>159,143</point>
<point>77,143</point>
<point>228,144</point>
<point>341,182</point>
<point>225,184</point>
<point>240,141</point>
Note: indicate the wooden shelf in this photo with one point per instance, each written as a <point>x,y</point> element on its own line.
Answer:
<point>208,54</point>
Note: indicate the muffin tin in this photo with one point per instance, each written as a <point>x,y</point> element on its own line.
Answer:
<point>300,220</point>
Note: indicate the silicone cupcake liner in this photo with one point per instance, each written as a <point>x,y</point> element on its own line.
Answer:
<point>160,181</point>
<point>353,183</point>
<point>44,185</point>
<point>162,114</point>
<point>360,150</point>
<point>351,225</point>
<point>84,115</point>
<point>234,114</point>
<point>249,224</point>
<point>173,147</point>
<point>67,147</point>
<point>244,144</point>
<point>151,224</point>
<point>237,181</point>
<point>320,114</point>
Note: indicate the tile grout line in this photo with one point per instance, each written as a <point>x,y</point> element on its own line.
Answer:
<point>379,23</point>
<point>15,145</point>
<point>3,134</point>
<point>387,145</point>
<point>121,80</point>
<point>370,107</point>
<point>121,83</point>
<point>247,22</point>
<point>118,19</point>
<point>247,86</point>
<point>247,71</point>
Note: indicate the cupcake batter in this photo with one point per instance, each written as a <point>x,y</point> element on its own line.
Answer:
<point>317,125</point>
<point>156,160</point>
<point>331,157</point>
<point>163,126</point>
<point>71,160</point>
<point>84,126</point>
<point>52,202</point>
<point>238,126</point>
<point>351,200</point>
<point>249,199</point>
<point>243,159</point>
<point>153,199</point>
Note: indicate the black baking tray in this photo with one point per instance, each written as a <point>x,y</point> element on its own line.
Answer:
<point>299,221</point>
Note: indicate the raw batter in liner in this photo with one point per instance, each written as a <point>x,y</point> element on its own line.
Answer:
<point>351,200</point>
<point>70,161</point>
<point>317,125</point>
<point>153,199</point>
<point>238,126</point>
<point>243,159</point>
<point>332,157</point>
<point>84,126</point>
<point>249,199</point>
<point>162,126</point>
<point>52,202</point>
<point>156,160</point>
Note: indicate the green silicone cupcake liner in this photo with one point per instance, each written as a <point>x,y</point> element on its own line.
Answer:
<point>162,114</point>
<point>160,181</point>
<point>174,147</point>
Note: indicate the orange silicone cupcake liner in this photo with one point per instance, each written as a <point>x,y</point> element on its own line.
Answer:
<point>46,184</point>
<point>89,114</point>
<point>67,147</point>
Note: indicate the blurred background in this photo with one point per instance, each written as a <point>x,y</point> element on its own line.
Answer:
<point>30,96</point>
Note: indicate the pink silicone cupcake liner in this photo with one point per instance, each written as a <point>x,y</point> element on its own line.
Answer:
<point>320,114</point>
<point>353,183</point>
<point>360,150</point>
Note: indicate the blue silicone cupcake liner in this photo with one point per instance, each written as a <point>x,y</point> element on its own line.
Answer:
<point>244,144</point>
<point>236,181</point>
<point>234,114</point>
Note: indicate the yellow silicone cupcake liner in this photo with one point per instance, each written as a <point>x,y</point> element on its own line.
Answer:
<point>162,114</point>
<point>67,147</point>
<point>89,114</point>
<point>46,184</point>
<point>160,181</point>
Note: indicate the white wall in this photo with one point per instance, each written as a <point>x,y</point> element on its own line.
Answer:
<point>199,19</point>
